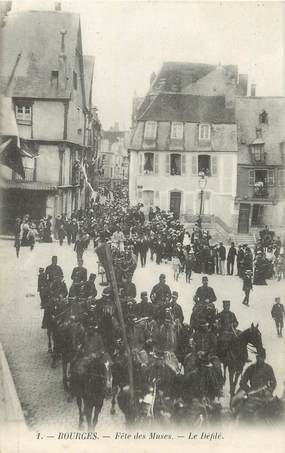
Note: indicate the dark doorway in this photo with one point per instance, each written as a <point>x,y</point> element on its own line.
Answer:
<point>17,203</point>
<point>243,218</point>
<point>257,215</point>
<point>175,203</point>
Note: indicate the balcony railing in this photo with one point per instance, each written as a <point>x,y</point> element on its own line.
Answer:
<point>29,175</point>
<point>260,192</point>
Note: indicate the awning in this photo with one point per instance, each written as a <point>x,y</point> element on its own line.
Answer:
<point>9,138</point>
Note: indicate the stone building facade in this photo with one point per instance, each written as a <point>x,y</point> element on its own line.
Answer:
<point>50,83</point>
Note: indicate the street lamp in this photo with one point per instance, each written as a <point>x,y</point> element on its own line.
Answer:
<point>202,185</point>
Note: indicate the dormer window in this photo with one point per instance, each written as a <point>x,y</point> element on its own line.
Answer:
<point>23,112</point>
<point>177,131</point>
<point>204,132</point>
<point>150,129</point>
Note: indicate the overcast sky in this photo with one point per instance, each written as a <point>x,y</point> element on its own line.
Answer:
<point>131,39</point>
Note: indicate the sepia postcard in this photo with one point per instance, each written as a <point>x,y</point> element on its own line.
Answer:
<point>142,226</point>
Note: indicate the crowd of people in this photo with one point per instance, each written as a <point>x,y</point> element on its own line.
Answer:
<point>184,359</point>
<point>162,342</point>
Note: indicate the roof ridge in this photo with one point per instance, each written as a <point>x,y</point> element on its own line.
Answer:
<point>149,105</point>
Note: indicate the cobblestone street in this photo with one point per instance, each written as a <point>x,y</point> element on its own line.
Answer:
<point>39,386</point>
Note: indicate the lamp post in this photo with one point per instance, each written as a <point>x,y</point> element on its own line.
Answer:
<point>202,185</point>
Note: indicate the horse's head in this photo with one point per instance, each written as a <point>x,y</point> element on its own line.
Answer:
<point>253,336</point>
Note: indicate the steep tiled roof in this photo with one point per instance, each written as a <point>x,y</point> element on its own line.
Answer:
<point>186,73</point>
<point>188,108</point>
<point>36,37</point>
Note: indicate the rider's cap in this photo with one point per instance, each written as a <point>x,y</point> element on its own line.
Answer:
<point>92,276</point>
<point>204,277</point>
<point>226,302</point>
<point>174,293</point>
<point>41,269</point>
<point>277,299</point>
<point>143,293</point>
<point>162,276</point>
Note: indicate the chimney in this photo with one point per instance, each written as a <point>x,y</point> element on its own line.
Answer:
<point>242,84</point>
<point>252,89</point>
<point>57,6</point>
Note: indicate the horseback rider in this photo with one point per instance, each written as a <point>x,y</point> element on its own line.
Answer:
<point>227,324</point>
<point>53,270</point>
<point>176,308</point>
<point>144,307</point>
<point>205,293</point>
<point>259,375</point>
<point>160,291</point>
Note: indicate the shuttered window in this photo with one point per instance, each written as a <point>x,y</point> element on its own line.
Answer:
<point>281,177</point>
<point>150,129</point>
<point>184,169</point>
<point>167,164</point>
<point>270,177</point>
<point>156,159</point>
<point>214,162</point>
<point>139,194</point>
<point>251,177</point>
<point>194,165</point>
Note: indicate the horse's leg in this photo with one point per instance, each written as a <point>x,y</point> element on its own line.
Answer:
<point>113,401</point>
<point>97,410</point>
<point>79,404</point>
<point>88,408</point>
<point>49,340</point>
<point>64,372</point>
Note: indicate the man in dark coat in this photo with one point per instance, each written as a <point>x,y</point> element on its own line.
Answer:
<point>277,313</point>
<point>258,375</point>
<point>79,272</point>
<point>89,287</point>
<point>43,287</point>
<point>176,309</point>
<point>160,291</point>
<point>144,308</point>
<point>53,270</point>
<point>205,294</point>
<point>240,257</point>
<point>231,259</point>
<point>221,258</point>
<point>247,286</point>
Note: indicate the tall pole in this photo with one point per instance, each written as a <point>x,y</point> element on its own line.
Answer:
<point>114,285</point>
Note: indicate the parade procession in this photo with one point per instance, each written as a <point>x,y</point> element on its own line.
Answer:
<point>143,268</point>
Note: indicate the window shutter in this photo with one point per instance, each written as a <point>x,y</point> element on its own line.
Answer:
<point>139,194</point>
<point>140,163</point>
<point>155,163</point>
<point>251,178</point>
<point>214,161</point>
<point>194,165</point>
<point>271,177</point>
<point>281,177</point>
<point>167,163</point>
<point>183,172</point>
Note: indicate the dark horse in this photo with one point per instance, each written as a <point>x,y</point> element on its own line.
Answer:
<point>235,356</point>
<point>88,385</point>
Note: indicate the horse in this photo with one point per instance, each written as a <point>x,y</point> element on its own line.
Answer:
<point>88,385</point>
<point>234,358</point>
